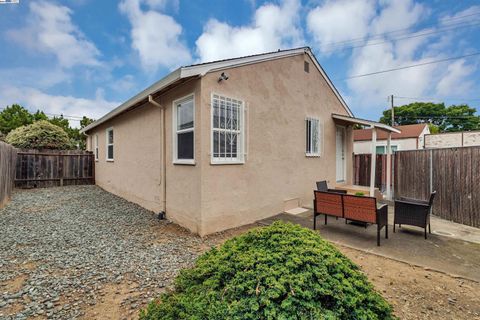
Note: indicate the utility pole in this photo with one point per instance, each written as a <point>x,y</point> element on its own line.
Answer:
<point>393,111</point>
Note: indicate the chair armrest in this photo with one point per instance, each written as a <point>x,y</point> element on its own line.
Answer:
<point>411,200</point>
<point>338,191</point>
<point>382,215</point>
<point>413,203</point>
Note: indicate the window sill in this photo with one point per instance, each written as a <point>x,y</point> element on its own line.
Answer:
<point>219,162</point>
<point>312,155</point>
<point>109,160</point>
<point>185,162</point>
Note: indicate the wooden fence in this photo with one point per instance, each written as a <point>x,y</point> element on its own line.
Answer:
<point>361,170</point>
<point>8,156</point>
<point>454,173</point>
<point>49,168</point>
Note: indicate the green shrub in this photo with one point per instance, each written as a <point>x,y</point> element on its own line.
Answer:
<point>282,271</point>
<point>361,194</point>
<point>39,135</point>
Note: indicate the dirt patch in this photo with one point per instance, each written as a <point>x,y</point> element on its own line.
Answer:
<point>416,293</point>
<point>115,303</point>
<point>13,285</point>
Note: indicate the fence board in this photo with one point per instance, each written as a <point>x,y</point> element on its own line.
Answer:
<point>362,163</point>
<point>455,176</point>
<point>8,156</point>
<point>45,168</point>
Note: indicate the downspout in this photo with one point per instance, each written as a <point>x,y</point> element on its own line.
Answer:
<point>163,167</point>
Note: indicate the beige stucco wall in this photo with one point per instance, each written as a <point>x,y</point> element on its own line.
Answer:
<point>278,95</point>
<point>402,144</point>
<point>453,139</point>
<point>444,140</point>
<point>206,198</point>
<point>135,173</point>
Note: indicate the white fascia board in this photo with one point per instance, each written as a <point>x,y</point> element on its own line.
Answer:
<point>157,86</point>
<point>364,122</point>
<point>329,82</point>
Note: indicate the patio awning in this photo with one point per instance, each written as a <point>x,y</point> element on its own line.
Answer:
<point>351,120</point>
<point>347,120</point>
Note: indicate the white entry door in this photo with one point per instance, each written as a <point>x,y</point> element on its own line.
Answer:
<point>341,164</point>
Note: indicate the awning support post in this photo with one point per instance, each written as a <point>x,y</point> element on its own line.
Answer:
<point>389,166</point>
<point>373,162</point>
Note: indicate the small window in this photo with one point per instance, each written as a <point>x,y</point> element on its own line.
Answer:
<point>383,149</point>
<point>306,67</point>
<point>184,125</point>
<point>312,143</point>
<point>110,144</point>
<point>227,130</point>
<point>95,147</point>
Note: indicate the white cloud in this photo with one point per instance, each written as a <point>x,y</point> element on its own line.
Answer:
<point>397,15</point>
<point>273,27</point>
<point>467,15</point>
<point>454,81</point>
<point>155,36</point>
<point>337,21</point>
<point>50,30</point>
<point>56,104</point>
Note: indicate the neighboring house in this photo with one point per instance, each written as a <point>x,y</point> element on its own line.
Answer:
<point>452,139</point>
<point>222,144</point>
<point>411,137</point>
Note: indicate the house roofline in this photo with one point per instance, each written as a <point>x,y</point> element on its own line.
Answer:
<point>204,68</point>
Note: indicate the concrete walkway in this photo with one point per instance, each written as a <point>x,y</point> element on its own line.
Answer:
<point>457,254</point>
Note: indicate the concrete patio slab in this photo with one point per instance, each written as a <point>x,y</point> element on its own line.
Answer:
<point>441,253</point>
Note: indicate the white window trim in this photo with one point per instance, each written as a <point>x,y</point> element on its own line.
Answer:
<point>240,159</point>
<point>95,147</point>
<point>175,132</point>
<point>319,138</point>
<point>109,144</point>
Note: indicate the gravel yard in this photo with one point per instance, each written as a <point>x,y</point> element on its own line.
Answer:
<point>77,251</point>
<point>83,253</point>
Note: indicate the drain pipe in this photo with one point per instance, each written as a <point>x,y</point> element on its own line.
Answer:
<point>163,169</point>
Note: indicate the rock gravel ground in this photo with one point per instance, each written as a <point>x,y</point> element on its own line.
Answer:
<point>65,251</point>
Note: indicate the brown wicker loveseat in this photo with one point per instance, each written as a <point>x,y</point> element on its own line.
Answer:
<point>355,208</point>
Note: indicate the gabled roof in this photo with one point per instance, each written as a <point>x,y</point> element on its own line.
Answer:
<point>407,131</point>
<point>183,74</point>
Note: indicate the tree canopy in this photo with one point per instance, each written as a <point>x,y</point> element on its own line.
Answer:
<point>15,116</point>
<point>441,118</point>
<point>39,135</point>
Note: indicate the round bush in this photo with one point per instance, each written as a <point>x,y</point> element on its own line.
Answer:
<point>39,135</point>
<point>282,271</point>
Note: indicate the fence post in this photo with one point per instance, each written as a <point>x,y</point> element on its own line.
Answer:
<point>431,171</point>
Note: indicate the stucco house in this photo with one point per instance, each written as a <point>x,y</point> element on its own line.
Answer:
<point>410,137</point>
<point>223,144</point>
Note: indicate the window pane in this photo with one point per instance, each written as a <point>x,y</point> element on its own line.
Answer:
<point>216,114</point>
<point>110,151</point>
<point>315,136</point>
<point>96,153</point>
<point>110,136</point>
<point>216,146</point>
<point>185,145</point>
<point>185,115</point>
<point>308,136</point>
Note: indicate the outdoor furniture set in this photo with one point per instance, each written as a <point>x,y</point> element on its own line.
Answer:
<point>339,204</point>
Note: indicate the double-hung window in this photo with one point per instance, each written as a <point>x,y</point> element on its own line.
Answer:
<point>184,130</point>
<point>313,135</point>
<point>227,130</point>
<point>95,147</point>
<point>109,144</point>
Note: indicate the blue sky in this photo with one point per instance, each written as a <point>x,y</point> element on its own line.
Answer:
<point>84,57</point>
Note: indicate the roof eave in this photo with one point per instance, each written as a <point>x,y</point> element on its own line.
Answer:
<point>157,86</point>
<point>364,122</point>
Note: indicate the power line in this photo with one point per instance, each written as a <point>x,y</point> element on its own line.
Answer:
<point>411,66</point>
<point>378,35</point>
<point>73,118</point>
<point>435,99</point>
<point>411,36</point>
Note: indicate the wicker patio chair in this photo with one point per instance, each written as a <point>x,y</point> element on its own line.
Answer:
<point>413,212</point>
<point>323,186</point>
